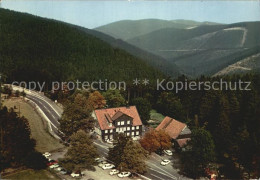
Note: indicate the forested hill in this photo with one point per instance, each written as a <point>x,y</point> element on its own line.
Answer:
<point>167,67</point>
<point>34,48</point>
<point>128,29</point>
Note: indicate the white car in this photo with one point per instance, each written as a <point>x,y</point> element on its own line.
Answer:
<point>54,166</point>
<point>102,164</point>
<point>124,174</point>
<point>168,152</point>
<point>165,162</point>
<point>113,172</point>
<point>74,175</point>
<point>63,171</point>
<point>97,159</point>
<point>108,166</point>
<point>58,169</point>
<point>47,154</point>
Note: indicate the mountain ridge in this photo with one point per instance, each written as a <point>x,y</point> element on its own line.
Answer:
<point>127,29</point>
<point>39,49</point>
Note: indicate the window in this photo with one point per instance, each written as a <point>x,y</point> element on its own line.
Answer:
<point>124,129</point>
<point>106,137</point>
<point>118,123</point>
<point>123,122</point>
<point>128,122</point>
<point>137,127</point>
<point>117,129</point>
<point>105,131</point>
<point>137,133</point>
<point>111,136</point>
<point>111,130</point>
<point>128,128</point>
<point>128,134</point>
<point>133,133</point>
<point>133,128</point>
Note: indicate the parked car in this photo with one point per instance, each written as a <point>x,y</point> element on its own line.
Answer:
<point>165,162</point>
<point>74,174</point>
<point>124,174</point>
<point>168,152</point>
<point>52,162</point>
<point>63,171</point>
<point>98,160</point>
<point>47,154</point>
<point>102,164</point>
<point>113,172</point>
<point>58,169</point>
<point>54,166</point>
<point>108,166</point>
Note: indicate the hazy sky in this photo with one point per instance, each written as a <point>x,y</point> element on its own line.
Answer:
<point>91,14</point>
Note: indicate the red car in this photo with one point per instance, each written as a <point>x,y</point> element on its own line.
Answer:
<point>51,162</point>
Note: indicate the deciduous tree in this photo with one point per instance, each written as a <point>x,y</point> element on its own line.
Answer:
<point>115,153</point>
<point>154,140</point>
<point>114,98</point>
<point>96,100</point>
<point>133,158</point>
<point>81,153</point>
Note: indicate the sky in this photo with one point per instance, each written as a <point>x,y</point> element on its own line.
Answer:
<point>91,14</point>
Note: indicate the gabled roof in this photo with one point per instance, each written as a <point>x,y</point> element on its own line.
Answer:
<point>119,114</point>
<point>172,127</point>
<point>106,116</point>
<point>182,142</point>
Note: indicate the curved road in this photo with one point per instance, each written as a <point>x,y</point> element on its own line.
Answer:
<point>53,114</point>
<point>48,110</point>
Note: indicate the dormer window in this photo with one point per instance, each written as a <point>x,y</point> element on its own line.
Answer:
<point>128,122</point>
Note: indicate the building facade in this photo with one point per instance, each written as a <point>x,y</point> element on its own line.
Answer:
<point>112,121</point>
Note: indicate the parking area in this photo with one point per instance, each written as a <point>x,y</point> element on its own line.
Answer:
<point>102,170</point>
<point>102,174</point>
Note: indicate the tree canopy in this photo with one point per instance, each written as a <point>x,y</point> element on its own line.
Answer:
<point>127,155</point>
<point>114,98</point>
<point>200,152</point>
<point>77,115</point>
<point>16,144</point>
<point>154,140</point>
<point>81,153</point>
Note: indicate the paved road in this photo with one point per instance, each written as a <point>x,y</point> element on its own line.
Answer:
<point>48,110</point>
<point>155,170</point>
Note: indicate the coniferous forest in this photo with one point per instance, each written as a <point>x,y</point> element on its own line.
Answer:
<point>37,49</point>
<point>33,48</point>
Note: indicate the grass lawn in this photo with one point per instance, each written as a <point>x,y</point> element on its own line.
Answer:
<point>32,175</point>
<point>44,141</point>
<point>156,118</point>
